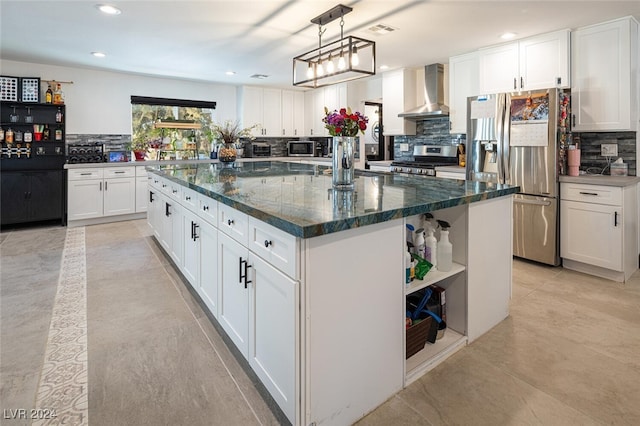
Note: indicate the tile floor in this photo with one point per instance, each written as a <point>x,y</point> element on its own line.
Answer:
<point>569,353</point>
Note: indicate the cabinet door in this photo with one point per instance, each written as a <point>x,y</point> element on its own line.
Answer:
<point>85,199</point>
<point>601,77</point>
<point>119,196</point>
<point>272,112</point>
<point>498,68</point>
<point>252,109</point>
<point>233,298</point>
<point>177,234</point>
<point>319,102</point>
<point>191,246</point>
<point>209,266</point>
<point>141,194</point>
<point>463,82</point>
<point>310,112</point>
<point>166,225</point>
<point>287,113</point>
<point>544,61</point>
<point>45,195</point>
<point>272,330</point>
<point>298,114</point>
<point>14,202</point>
<point>580,223</point>
<point>154,207</point>
<point>398,95</point>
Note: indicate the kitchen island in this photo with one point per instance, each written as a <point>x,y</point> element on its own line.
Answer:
<point>308,283</point>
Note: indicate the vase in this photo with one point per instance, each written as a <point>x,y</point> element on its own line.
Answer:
<point>343,165</point>
<point>227,153</point>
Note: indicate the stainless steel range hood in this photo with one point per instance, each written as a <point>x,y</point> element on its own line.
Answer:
<point>434,106</point>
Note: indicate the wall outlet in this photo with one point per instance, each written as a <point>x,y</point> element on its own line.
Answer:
<point>609,149</point>
<point>404,147</point>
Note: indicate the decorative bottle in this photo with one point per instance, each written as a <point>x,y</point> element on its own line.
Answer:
<point>48,97</point>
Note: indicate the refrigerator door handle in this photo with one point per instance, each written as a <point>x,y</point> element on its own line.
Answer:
<point>534,202</point>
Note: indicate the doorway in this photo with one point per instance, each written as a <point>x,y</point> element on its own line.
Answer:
<point>373,140</point>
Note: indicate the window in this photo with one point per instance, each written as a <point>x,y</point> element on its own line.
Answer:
<point>171,128</point>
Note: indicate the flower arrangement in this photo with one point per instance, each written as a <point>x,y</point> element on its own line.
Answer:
<point>230,132</point>
<point>344,122</point>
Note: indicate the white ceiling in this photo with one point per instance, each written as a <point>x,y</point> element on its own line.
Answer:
<point>200,40</point>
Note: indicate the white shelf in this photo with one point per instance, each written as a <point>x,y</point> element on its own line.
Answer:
<point>433,354</point>
<point>433,276</point>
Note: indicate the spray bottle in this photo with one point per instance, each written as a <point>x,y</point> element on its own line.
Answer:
<point>431,245</point>
<point>418,240</point>
<point>445,248</point>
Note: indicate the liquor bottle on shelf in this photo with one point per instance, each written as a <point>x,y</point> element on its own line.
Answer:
<point>58,133</point>
<point>58,96</point>
<point>46,133</point>
<point>48,98</point>
<point>59,116</point>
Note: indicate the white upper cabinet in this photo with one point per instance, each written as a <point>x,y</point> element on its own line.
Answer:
<point>604,76</point>
<point>293,113</point>
<point>463,82</point>
<point>262,106</point>
<point>533,63</point>
<point>398,95</point>
<point>332,97</point>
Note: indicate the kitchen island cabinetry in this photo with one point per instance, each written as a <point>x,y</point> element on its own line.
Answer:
<point>604,68</point>
<point>598,233</point>
<point>538,62</point>
<point>305,322</point>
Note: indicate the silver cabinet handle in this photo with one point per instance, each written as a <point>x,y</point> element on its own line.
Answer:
<point>100,186</point>
<point>105,185</point>
<point>532,202</point>
<point>589,193</point>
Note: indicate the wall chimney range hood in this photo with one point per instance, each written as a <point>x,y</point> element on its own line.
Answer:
<point>434,106</point>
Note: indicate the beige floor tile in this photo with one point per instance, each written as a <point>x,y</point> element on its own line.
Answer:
<point>394,411</point>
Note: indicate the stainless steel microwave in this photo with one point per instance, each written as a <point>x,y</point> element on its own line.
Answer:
<point>300,148</point>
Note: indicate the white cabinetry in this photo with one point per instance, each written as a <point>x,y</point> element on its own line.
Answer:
<point>98,192</point>
<point>293,113</point>
<point>605,76</point>
<point>533,63</point>
<point>598,229</point>
<point>398,95</point>
<point>333,97</point>
<point>463,82</point>
<point>141,189</point>
<point>262,106</point>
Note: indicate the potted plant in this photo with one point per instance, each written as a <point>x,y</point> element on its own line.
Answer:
<point>228,134</point>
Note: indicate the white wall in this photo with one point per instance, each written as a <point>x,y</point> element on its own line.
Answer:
<point>99,102</point>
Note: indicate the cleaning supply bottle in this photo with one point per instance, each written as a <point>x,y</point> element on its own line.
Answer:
<point>407,265</point>
<point>431,246</point>
<point>445,248</point>
<point>418,240</point>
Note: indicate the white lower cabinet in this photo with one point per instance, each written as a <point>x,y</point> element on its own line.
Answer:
<point>119,196</point>
<point>273,319</point>
<point>141,194</point>
<point>233,308</point>
<point>208,286</point>
<point>191,248</point>
<point>85,199</point>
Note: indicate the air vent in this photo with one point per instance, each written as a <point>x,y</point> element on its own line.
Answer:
<point>381,29</point>
<point>259,76</point>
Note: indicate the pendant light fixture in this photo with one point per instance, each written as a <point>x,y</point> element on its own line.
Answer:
<point>356,57</point>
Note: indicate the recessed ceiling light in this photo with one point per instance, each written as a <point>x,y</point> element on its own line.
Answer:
<point>507,36</point>
<point>384,67</point>
<point>230,73</point>
<point>98,54</point>
<point>108,9</point>
<point>259,76</point>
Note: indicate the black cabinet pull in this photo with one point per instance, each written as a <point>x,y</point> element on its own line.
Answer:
<point>187,198</point>
<point>192,231</point>
<point>589,193</point>
<point>195,231</point>
<point>573,120</point>
<point>243,272</point>
<point>100,186</point>
<point>240,270</point>
<point>230,222</point>
<point>521,83</point>
<point>174,190</point>
<point>267,243</point>
<point>151,196</point>
<point>515,84</point>
<point>105,185</point>
<point>166,209</point>
<point>118,172</point>
<point>205,208</point>
<point>615,218</point>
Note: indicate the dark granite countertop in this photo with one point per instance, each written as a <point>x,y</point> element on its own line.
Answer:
<point>299,199</point>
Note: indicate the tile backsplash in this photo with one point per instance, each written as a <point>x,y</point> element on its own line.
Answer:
<point>590,158</point>
<point>433,131</point>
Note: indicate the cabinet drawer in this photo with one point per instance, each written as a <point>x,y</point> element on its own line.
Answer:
<point>273,245</point>
<point>233,223</point>
<point>141,171</point>
<point>595,194</point>
<point>119,172</point>
<point>189,198</point>
<point>82,174</point>
<point>208,209</point>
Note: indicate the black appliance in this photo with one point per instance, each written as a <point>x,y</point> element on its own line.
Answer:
<point>426,158</point>
<point>255,149</point>
<point>85,152</point>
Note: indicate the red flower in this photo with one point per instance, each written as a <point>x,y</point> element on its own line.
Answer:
<point>343,111</point>
<point>338,130</point>
<point>362,125</point>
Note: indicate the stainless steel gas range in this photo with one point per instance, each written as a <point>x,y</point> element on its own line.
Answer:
<point>425,160</point>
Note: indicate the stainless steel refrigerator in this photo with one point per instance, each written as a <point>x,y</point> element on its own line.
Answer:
<point>512,139</point>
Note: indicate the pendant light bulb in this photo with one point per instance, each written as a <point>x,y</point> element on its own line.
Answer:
<point>320,69</point>
<point>310,71</point>
<point>341,63</point>
<point>330,65</point>
<point>355,60</point>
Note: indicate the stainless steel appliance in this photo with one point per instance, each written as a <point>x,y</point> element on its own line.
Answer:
<point>426,158</point>
<point>300,148</point>
<point>512,139</point>
<point>433,106</point>
<point>255,149</point>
